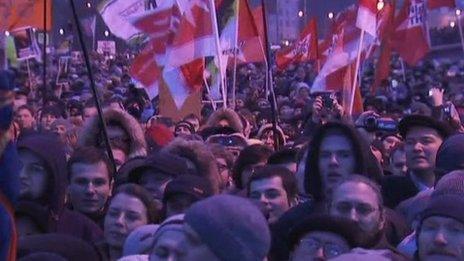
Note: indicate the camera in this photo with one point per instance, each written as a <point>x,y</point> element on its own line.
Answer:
<point>328,99</point>
<point>372,124</point>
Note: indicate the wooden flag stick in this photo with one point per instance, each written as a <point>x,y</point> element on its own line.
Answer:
<point>355,77</point>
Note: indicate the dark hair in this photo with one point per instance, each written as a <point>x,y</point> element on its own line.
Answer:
<point>313,180</point>
<point>220,151</point>
<point>89,155</point>
<point>248,156</point>
<point>26,107</point>
<point>270,171</point>
<point>143,195</point>
<point>396,148</point>
<point>283,157</point>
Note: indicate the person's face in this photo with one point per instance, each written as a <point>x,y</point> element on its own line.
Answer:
<point>390,142</point>
<point>358,202</point>
<point>268,138</point>
<point>223,123</point>
<point>181,244</point>
<point>89,112</point>
<point>421,146</point>
<point>25,119</point>
<point>239,104</point>
<point>60,130</point>
<point>300,73</point>
<point>120,157</point>
<point>182,130</point>
<point>270,193</point>
<point>47,120</point>
<point>224,171</point>
<point>89,187</point>
<point>33,176</point>
<point>286,111</point>
<point>441,238</point>
<point>336,160</point>
<point>125,214</point>
<point>195,123</point>
<point>319,245</point>
<point>155,183</point>
<point>398,163</point>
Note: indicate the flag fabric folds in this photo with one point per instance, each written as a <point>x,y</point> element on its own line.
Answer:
<point>24,13</point>
<point>367,16</point>
<point>434,4</point>
<point>305,49</point>
<point>117,15</point>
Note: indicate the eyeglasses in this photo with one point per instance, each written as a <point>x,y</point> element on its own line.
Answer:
<point>362,209</point>
<point>330,249</point>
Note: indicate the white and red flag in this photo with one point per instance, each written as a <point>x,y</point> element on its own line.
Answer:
<point>305,49</point>
<point>367,16</point>
<point>410,37</point>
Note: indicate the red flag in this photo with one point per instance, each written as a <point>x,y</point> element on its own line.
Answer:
<point>258,16</point>
<point>434,4</point>
<point>145,70</point>
<point>367,16</point>
<point>305,49</point>
<point>382,68</point>
<point>249,41</point>
<point>410,39</point>
<point>23,13</point>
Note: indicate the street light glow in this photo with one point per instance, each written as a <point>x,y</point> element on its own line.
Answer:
<point>61,31</point>
<point>300,13</point>
<point>331,15</point>
<point>88,4</point>
<point>380,5</point>
<point>7,33</point>
<point>452,24</point>
<point>107,33</point>
<point>458,12</point>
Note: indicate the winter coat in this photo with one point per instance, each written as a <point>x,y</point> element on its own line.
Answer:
<point>60,219</point>
<point>269,127</point>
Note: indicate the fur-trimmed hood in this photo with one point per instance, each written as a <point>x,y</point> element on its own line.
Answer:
<point>268,127</point>
<point>225,114</point>
<point>90,134</point>
<point>200,155</point>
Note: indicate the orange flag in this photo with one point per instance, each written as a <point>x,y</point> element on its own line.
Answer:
<point>27,13</point>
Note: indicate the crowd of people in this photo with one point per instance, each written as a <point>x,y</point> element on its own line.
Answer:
<point>387,184</point>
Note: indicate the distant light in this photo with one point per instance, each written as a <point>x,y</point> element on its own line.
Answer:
<point>286,43</point>
<point>300,13</point>
<point>380,5</point>
<point>452,24</point>
<point>458,12</point>
<point>331,15</point>
<point>107,33</point>
<point>88,4</point>
<point>61,31</point>
<point>7,33</point>
<point>34,29</point>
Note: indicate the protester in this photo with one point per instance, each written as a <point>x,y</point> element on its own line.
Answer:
<point>249,160</point>
<point>274,189</point>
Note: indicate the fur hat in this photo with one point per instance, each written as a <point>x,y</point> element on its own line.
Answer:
<point>225,114</point>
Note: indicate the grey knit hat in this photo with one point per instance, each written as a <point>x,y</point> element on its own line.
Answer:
<point>232,227</point>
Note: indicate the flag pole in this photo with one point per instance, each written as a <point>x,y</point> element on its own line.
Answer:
<point>45,46</point>
<point>458,18</point>
<point>403,69</point>
<point>219,51</point>
<point>269,81</point>
<point>355,80</point>
<point>92,85</point>
<point>236,52</point>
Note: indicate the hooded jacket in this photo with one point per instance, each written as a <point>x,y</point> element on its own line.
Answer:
<point>269,127</point>
<point>91,133</point>
<point>199,154</point>
<point>225,114</point>
<point>60,219</point>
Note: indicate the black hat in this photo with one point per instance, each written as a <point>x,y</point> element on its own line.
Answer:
<point>186,124</point>
<point>346,228</point>
<point>411,121</point>
<point>164,162</point>
<point>196,186</point>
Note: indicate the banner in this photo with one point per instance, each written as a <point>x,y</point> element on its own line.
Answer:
<point>106,47</point>
<point>25,43</point>
<point>117,15</point>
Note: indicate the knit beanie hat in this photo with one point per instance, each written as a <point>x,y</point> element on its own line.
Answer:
<point>175,222</point>
<point>232,227</point>
<point>140,240</point>
<point>447,198</point>
<point>449,155</point>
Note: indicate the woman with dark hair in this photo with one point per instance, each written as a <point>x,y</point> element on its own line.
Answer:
<point>249,159</point>
<point>131,207</point>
